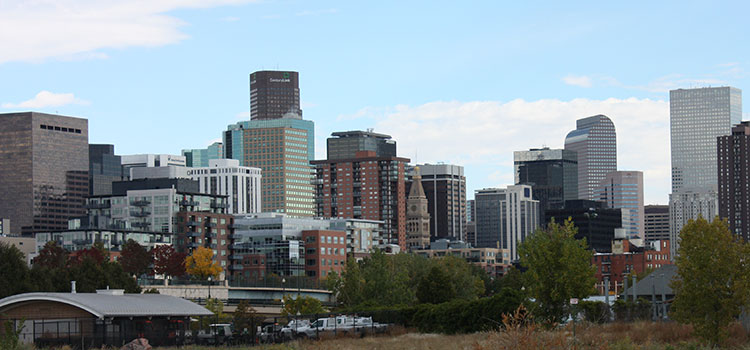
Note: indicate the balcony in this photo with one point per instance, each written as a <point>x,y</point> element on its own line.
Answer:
<point>141,203</point>
<point>187,203</point>
<point>234,236</point>
<point>140,213</point>
<point>210,224</point>
<point>104,205</point>
<point>218,205</point>
<point>211,235</point>
<point>193,234</point>
<point>194,245</point>
<point>235,257</point>
<point>235,267</point>
<point>193,223</point>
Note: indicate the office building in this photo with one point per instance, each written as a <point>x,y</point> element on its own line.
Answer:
<point>282,148</point>
<point>552,173</point>
<point>445,188</point>
<point>656,222</point>
<point>624,190</point>
<point>505,217</point>
<point>105,167</point>
<point>734,179</point>
<point>274,95</point>
<point>199,157</point>
<point>595,142</point>
<point>361,235</point>
<point>150,160</point>
<point>697,117</point>
<point>241,185</point>
<point>44,164</point>
<point>364,187</point>
<point>594,221</point>
<point>346,144</point>
<point>417,216</point>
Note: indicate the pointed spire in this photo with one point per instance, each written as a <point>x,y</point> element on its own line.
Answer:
<point>417,191</point>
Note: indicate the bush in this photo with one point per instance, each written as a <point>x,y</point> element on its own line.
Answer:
<point>630,311</point>
<point>594,311</point>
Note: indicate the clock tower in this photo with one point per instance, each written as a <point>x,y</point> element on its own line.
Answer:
<point>417,216</point>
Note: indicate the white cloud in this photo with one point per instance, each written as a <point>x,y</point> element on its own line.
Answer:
<point>48,99</point>
<point>242,115</point>
<point>576,80</point>
<point>43,29</point>
<point>482,135</point>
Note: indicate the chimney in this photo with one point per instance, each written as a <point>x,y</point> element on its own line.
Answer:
<point>72,287</point>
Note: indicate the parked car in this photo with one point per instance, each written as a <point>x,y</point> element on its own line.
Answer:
<point>217,333</point>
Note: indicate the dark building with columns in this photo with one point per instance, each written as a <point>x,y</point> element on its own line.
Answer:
<point>44,163</point>
<point>734,187</point>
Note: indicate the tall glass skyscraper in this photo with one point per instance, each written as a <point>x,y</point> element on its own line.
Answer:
<point>595,141</point>
<point>552,173</point>
<point>697,117</point>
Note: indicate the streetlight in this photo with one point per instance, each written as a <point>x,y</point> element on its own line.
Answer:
<point>209,287</point>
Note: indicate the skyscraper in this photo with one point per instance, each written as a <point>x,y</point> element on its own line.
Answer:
<point>104,168</point>
<point>552,173</point>
<point>417,217</point>
<point>734,179</point>
<point>624,190</point>
<point>445,188</point>
<point>696,118</point>
<point>199,157</point>
<point>595,142</point>
<point>505,217</point>
<point>283,149</point>
<point>44,164</point>
<point>656,222</point>
<point>274,95</point>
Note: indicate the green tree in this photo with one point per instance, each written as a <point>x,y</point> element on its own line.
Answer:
<point>559,268</point>
<point>711,283</point>
<point>512,279</point>
<point>302,305</point>
<point>245,317</point>
<point>52,256</point>
<point>467,284</point>
<point>13,271</point>
<point>436,287</point>
<point>134,258</point>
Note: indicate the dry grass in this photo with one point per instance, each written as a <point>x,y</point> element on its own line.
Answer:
<point>525,336</point>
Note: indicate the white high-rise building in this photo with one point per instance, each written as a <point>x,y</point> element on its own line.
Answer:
<point>505,217</point>
<point>595,141</point>
<point>222,177</point>
<point>150,160</point>
<point>697,117</point>
<point>624,190</point>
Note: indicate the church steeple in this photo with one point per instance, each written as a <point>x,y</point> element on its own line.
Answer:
<point>417,216</point>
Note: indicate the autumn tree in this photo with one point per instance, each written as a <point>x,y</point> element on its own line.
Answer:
<point>134,258</point>
<point>559,268</point>
<point>201,264</point>
<point>168,261</point>
<point>711,284</point>
<point>303,305</point>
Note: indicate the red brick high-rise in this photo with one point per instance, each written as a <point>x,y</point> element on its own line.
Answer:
<point>368,187</point>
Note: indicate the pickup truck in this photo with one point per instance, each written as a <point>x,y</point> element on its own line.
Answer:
<point>217,333</point>
<point>340,325</point>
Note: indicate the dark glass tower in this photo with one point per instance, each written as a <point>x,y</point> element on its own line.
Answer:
<point>104,168</point>
<point>346,144</point>
<point>274,95</point>
<point>552,173</point>
<point>734,186</point>
<point>44,162</point>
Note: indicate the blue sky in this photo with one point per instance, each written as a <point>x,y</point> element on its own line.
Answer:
<point>459,82</point>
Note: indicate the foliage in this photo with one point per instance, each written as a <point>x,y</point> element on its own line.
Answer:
<point>9,338</point>
<point>52,256</point>
<point>151,291</point>
<point>392,280</point>
<point>13,271</point>
<point>628,310</point>
<point>245,317</point>
<point>168,261</point>
<point>559,268</point>
<point>712,278</point>
<point>302,305</point>
<point>134,258</point>
<point>217,307</point>
<point>594,311</point>
<point>436,287</point>
<point>201,264</point>
<point>512,279</point>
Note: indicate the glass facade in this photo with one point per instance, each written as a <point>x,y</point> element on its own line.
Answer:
<point>595,142</point>
<point>552,173</point>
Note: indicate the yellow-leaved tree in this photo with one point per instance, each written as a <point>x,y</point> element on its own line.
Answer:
<point>201,264</point>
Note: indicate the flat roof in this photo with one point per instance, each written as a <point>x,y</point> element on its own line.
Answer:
<point>113,305</point>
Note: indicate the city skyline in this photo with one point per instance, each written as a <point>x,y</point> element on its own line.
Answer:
<point>472,75</point>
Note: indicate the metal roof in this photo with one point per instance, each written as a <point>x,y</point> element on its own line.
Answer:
<point>109,305</point>
<point>657,282</point>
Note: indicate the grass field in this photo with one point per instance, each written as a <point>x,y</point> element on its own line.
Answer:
<point>615,336</point>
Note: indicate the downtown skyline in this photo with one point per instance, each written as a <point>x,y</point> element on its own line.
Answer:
<point>464,85</point>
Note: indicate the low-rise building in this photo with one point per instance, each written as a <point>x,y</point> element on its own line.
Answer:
<point>27,245</point>
<point>325,252</point>
<point>493,260</point>
<point>626,259</point>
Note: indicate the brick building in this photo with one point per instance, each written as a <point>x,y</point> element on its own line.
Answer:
<point>364,187</point>
<point>626,259</point>
<point>205,229</point>
<point>325,252</point>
